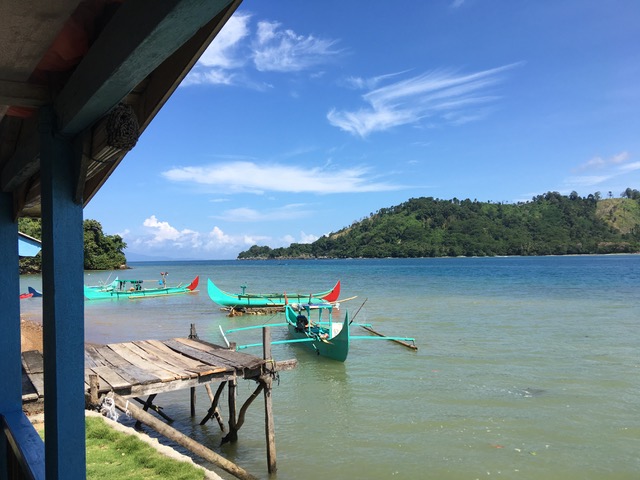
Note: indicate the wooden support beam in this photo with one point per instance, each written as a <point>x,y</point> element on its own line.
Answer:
<point>153,92</point>
<point>139,37</point>
<point>269,425</point>
<point>245,407</point>
<point>181,439</point>
<point>10,311</point>
<point>145,406</point>
<point>22,94</point>
<point>213,410</point>
<point>83,143</point>
<point>62,308</point>
<point>232,436</point>
<point>153,407</point>
<point>23,165</point>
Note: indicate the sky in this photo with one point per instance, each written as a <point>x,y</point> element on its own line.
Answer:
<point>302,118</point>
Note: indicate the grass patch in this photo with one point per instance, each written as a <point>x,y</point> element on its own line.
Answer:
<point>112,454</point>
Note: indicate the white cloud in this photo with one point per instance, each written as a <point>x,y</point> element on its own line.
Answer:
<point>162,233</point>
<point>287,240</point>
<point>630,167</point>
<point>307,238</point>
<point>453,98</point>
<point>224,54</point>
<point>249,177</point>
<point>586,181</point>
<point>286,212</point>
<point>164,239</point>
<point>282,50</point>
<point>271,47</point>
<point>611,168</point>
<point>222,51</point>
<point>598,162</point>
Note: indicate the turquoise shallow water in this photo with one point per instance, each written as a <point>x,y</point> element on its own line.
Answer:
<point>527,368</point>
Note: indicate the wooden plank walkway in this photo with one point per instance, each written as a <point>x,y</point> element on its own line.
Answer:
<point>146,367</point>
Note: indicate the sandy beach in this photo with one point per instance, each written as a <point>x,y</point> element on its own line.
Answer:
<point>30,335</point>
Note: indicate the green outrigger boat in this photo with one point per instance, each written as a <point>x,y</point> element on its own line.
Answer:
<point>324,336</point>
<point>269,300</point>
<point>132,289</point>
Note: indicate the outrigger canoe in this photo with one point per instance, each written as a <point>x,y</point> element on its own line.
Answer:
<point>324,336</point>
<point>269,300</point>
<point>133,289</point>
<point>327,338</point>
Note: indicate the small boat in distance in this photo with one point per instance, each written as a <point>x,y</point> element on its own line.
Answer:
<point>31,292</point>
<point>133,289</point>
<point>34,293</point>
<point>269,300</point>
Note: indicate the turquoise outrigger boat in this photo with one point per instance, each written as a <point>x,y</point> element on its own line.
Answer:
<point>324,336</point>
<point>269,300</point>
<point>132,289</point>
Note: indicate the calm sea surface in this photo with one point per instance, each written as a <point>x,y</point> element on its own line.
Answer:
<point>527,368</point>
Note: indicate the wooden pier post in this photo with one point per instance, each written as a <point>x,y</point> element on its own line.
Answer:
<point>269,425</point>
<point>193,335</point>
<point>232,436</point>
<point>94,386</point>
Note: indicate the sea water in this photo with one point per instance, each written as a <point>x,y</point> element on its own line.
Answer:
<point>526,368</point>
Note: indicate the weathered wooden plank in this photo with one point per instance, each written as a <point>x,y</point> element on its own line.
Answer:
<point>37,379</point>
<point>201,355</point>
<point>137,360</point>
<point>112,378</point>
<point>92,357</point>
<point>158,362</point>
<point>29,392</point>
<point>130,372</point>
<point>144,390</point>
<point>238,359</point>
<point>187,364</point>
<point>88,361</point>
<point>170,361</point>
<point>32,361</point>
<point>178,358</point>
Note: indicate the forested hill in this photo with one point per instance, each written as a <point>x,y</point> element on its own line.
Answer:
<point>550,224</point>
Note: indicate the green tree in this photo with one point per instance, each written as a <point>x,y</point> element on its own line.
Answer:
<point>101,252</point>
<point>550,224</point>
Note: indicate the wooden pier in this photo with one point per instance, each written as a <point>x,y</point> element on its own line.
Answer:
<point>146,368</point>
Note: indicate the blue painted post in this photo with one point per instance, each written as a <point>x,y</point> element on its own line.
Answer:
<point>62,305</point>
<point>11,391</point>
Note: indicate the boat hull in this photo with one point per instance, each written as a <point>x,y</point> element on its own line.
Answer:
<point>269,300</point>
<point>335,347</point>
<point>93,293</point>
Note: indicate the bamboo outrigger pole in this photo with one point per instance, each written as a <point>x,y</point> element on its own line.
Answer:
<point>371,330</point>
<point>400,342</point>
<point>358,311</point>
